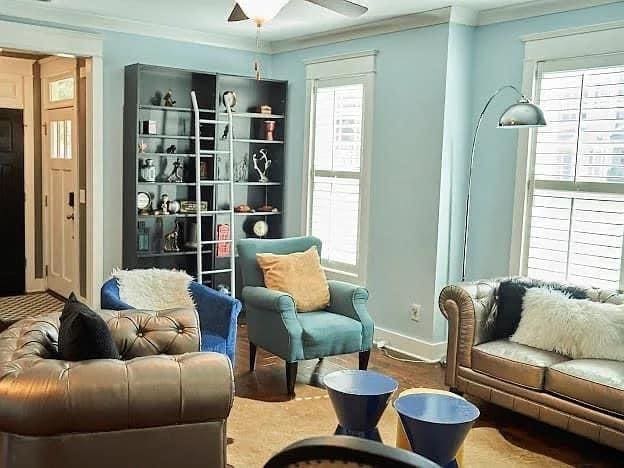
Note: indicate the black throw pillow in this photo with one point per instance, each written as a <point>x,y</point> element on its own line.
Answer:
<point>83,334</point>
<point>510,295</point>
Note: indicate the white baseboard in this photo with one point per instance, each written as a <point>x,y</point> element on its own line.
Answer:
<point>410,346</point>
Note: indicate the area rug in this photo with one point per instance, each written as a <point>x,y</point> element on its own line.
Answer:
<point>259,429</point>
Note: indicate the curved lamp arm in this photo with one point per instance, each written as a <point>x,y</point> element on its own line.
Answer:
<point>472,156</point>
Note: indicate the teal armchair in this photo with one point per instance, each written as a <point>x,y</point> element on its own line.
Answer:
<point>275,325</point>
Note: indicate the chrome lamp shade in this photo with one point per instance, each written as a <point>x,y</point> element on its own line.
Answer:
<point>522,114</point>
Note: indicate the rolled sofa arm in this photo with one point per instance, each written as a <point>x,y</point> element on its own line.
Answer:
<point>57,397</point>
<point>41,395</point>
<point>466,306</point>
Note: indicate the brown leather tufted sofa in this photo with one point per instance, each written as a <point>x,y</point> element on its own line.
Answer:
<point>584,396</point>
<point>162,405</point>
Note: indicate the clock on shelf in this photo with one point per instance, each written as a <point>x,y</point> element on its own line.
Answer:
<point>260,228</point>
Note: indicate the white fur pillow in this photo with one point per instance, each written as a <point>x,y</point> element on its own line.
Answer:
<point>572,327</point>
<point>154,289</point>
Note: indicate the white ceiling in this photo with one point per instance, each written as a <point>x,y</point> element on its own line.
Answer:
<point>298,18</point>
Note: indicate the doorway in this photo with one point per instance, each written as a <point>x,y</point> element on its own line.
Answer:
<point>62,43</point>
<point>12,236</point>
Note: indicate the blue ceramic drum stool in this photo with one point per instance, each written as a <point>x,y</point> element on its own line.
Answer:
<point>436,425</point>
<point>359,399</point>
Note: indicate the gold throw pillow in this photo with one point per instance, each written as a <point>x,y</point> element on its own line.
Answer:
<point>298,274</point>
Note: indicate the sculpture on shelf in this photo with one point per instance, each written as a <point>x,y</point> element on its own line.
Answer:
<point>241,170</point>
<point>142,147</point>
<point>169,102</point>
<point>269,130</point>
<point>171,239</point>
<point>163,208</point>
<point>171,149</point>
<point>267,163</point>
<point>176,173</point>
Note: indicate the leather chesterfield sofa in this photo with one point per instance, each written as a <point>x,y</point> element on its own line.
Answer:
<point>163,404</point>
<point>584,396</point>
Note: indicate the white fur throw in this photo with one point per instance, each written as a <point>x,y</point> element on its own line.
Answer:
<point>154,289</point>
<point>580,329</point>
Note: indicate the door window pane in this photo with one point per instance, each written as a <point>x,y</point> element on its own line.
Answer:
<point>61,139</point>
<point>62,90</point>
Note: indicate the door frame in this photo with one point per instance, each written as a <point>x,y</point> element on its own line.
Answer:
<point>49,40</point>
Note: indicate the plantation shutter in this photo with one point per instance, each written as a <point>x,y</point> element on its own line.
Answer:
<point>576,221</point>
<point>336,172</point>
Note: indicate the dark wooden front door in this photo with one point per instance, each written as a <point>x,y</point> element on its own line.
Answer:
<point>13,255</point>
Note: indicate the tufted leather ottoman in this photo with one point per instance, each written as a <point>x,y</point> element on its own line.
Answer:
<point>145,410</point>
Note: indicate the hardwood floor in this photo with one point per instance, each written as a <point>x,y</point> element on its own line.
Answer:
<point>268,383</point>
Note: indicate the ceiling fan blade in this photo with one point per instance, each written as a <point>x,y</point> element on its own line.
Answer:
<point>237,14</point>
<point>344,7</point>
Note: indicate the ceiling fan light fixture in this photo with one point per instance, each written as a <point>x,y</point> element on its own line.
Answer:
<point>262,11</point>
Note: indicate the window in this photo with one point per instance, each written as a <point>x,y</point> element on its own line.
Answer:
<point>61,90</point>
<point>575,225</point>
<point>338,149</point>
<point>60,139</point>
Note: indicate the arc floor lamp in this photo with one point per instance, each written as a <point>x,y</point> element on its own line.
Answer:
<point>522,114</point>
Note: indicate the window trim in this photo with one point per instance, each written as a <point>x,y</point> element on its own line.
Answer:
<point>540,52</point>
<point>342,69</point>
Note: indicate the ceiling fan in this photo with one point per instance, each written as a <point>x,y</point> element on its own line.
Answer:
<point>261,11</point>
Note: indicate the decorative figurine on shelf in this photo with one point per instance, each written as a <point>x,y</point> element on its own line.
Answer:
<point>266,109</point>
<point>173,206</point>
<point>241,170</point>
<point>156,99</point>
<point>171,149</point>
<point>163,208</point>
<point>169,102</point>
<point>171,240</point>
<point>142,147</point>
<point>267,163</point>
<point>223,289</point>
<point>266,209</point>
<point>269,130</point>
<point>243,209</point>
<point>229,100</point>
<point>176,173</point>
<point>148,171</point>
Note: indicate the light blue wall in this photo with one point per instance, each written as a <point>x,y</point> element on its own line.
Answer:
<point>498,60</point>
<point>455,160</point>
<point>406,166</point>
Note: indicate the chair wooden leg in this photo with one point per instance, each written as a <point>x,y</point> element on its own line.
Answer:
<point>291,376</point>
<point>364,357</point>
<point>252,356</point>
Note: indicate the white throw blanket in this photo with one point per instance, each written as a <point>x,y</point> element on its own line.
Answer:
<point>154,289</point>
<point>580,329</point>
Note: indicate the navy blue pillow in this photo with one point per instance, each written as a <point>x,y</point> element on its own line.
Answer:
<point>504,321</point>
<point>83,334</point>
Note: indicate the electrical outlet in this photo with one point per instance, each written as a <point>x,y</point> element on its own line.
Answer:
<point>415,310</point>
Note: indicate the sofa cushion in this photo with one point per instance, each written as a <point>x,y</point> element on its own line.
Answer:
<point>595,382</point>
<point>514,362</point>
<point>328,334</point>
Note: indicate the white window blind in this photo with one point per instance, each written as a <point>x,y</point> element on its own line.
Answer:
<point>576,219</point>
<point>336,173</point>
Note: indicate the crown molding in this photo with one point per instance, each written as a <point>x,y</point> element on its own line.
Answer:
<point>50,13</point>
<point>535,8</point>
<point>390,25</point>
<point>573,31</point>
